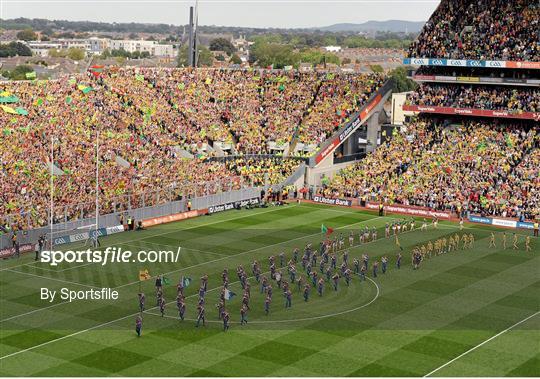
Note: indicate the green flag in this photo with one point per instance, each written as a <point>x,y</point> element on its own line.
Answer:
<point>21,111</point>
<point>509,141</point>
<point>8,99</point>
<point>166,280</point>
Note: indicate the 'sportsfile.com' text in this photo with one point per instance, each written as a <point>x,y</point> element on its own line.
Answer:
<point>109,255</point>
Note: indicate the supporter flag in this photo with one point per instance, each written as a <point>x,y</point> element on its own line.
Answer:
<point>30,75</point>
<point>186,282</point>
<point>481,146</point>
<point>139,77</point>
<point>7,109</point>
<point>84,89</point>
<point>166,280</point>
<point>72,81</point>
<point>21,111</point>
<point>144,275</point>
<point>68,99</point>
<point>96,70</point>
<point>229,294</point>
<point>509,141</point>
<point>326,230</point>
<point>6,97</point>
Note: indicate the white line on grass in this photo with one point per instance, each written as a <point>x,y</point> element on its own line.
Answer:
<point>295,319</point>
<point>54,279</point>
<point>481,344</point>
<point>189,267</point>
<point>168,232</point>
<point>134,314</point>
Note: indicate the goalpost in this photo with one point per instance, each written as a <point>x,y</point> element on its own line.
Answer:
<point>93,240</point>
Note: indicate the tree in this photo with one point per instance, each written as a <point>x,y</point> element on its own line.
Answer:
<point>222,44</point>
<point>273,54</point>
<point>401,82</point>
<point>13,49</point>
<point>27,35</point>
<point>54,53</point>
<point>316,57</point>
<point>76,54</point>
<point>19,72</point>
<point>346,61</point>
<point>204,56</point>
<point>235,59</point>
<point>376,68</point>
<point>106,53</point>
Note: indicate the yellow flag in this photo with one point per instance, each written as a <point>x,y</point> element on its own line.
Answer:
<point>8,109</point>
<point>144,275</point>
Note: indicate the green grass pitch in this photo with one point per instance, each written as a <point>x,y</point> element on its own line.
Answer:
<point>466,313</point>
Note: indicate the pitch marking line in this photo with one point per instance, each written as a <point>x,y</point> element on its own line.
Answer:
<point>170,232</point>
<point>55,279</point>
<point>481,344</point>
<point>185,268</point>
<point>134,314</point>
<point>296,319</point>
<point>125,317</point>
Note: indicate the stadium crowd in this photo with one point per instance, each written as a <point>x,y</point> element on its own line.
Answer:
<point>493,169</point>
<point>481,29</point>
<point>145,118</point>
<point>513,99</point>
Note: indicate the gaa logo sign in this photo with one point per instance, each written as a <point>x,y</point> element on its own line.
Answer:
<point>437,62</point>
<point>457,63</point>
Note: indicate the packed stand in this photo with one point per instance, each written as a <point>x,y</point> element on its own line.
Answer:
<point>144,118</point>
<point>493,169</point>
<point>481,29</point>
<point>512,99</point>
<point>339,97</point>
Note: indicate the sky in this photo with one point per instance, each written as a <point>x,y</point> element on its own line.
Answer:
<point>250,13</point>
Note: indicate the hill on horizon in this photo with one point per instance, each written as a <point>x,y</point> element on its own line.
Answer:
<point>395,26</point>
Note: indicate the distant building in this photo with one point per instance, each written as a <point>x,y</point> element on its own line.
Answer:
<point>97,45</point>
<point>333,49</point>
<point>67,43</point>
<point>41,48</point>
<point>152,47</point>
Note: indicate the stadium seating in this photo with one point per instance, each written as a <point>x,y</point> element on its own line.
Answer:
<point>481,29</point>
<point>493,169</point>
<point>145,118</point>
<point>477,96</point>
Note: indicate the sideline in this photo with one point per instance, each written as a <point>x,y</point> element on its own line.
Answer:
<point>481,344</point>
